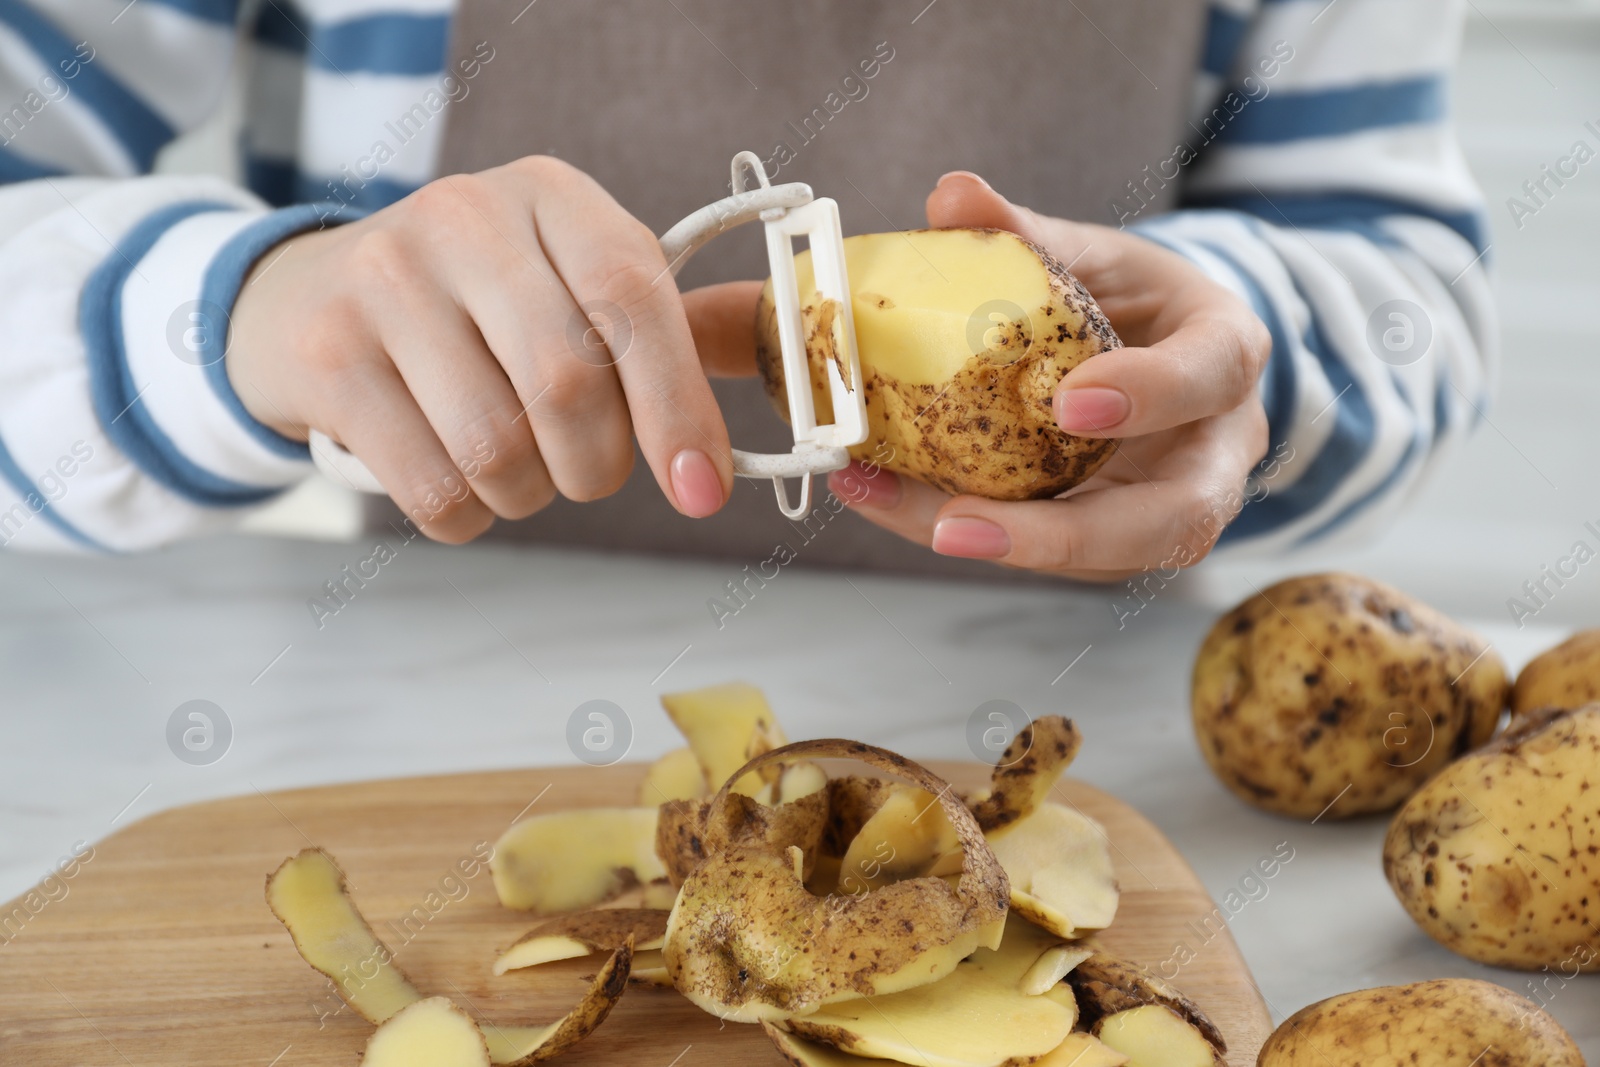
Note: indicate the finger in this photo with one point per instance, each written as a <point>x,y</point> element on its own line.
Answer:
<point>470,403</point>
<point>903,506</point>
<point>962,199</point>
<point>567,393</point>
<point>722,319</point>
<point>384,427</point>
<point>607,259</point>
<point>1171,520</point>
<point>1208,366</point>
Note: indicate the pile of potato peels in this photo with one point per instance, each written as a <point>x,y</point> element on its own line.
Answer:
<point>852,917</point>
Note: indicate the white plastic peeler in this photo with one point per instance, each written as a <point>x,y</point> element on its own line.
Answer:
<point>787,211</point>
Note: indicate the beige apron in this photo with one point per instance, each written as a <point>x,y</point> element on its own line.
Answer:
<point>1059,103</point>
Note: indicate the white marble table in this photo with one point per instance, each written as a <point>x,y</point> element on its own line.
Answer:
<point>456,659</point>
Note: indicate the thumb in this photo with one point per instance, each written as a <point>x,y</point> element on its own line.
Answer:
<point>722,319</point>
<point>961,199</point>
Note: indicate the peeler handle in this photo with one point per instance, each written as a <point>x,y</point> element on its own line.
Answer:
<point>678,244</point>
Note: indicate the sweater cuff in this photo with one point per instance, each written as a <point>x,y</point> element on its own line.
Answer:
<point>155,318</point>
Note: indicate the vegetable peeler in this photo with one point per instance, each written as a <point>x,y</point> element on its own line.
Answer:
<point>787,211</point>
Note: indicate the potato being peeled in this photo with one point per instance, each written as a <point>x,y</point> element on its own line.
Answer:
<point>1498,857</point>
<point>1449,1022</point>
<point>1567,676</point>
<point>1335,694</point>
<point>963,337</point>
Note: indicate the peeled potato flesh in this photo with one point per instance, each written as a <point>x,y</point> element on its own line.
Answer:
<point>908,836</point>
<point>581,933</point>
<point>308,895</point>
<point>427,1033</point>
<point>963,337</point>
<point>1154,1036</point>
<point>575,859</point>
<point>726,726</point>
<point>1059,865</point>
<point>1082,1050</point>
<point>968,1018</point>
<point>675,776</point>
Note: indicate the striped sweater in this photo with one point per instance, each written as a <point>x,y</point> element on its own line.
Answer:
<point>1323,183</point>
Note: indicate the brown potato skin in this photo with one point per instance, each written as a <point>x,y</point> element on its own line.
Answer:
<point>1567,676</point>
<point>1498,857</point>
<point>1448,1022</point>
<point>989,431</point>
<point>1331,694</point>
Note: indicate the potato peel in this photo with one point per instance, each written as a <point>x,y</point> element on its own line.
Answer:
<point>582,933</point>
<point>1106,985</point>
<point>1027,771</point>
<point>518,1046</point>
<point>575,859</point>
<point>309,896</point>
<point>747,941</point>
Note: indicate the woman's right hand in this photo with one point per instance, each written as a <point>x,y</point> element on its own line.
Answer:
<point>489,342</point>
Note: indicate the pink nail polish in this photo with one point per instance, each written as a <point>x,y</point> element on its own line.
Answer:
<point>864,486</point>
<point>1092,409</point>
<point>971,538</point>
<point>695,484</point>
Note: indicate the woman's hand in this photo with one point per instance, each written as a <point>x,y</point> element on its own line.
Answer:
<point>488,342</point>
<point>1182,396</point>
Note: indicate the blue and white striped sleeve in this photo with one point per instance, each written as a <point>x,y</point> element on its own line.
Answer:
<point>1324,184</point>
<point>119,430</point>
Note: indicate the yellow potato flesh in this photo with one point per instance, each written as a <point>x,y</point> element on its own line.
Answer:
<point>1060,869</point>
<point>427,1033</point>
<point>968,1018</point>
<point>1021,947</point>
<point>579,934</point>
<point>307,894</point>
<point>575,859</point>
<point>726,725</point>
<point>1153,1036</point>
<point>802,1053</point>
<point>675,776</point>
<point>1082,1050</point>
<point>914,297</point>
<point>908,836</point>
<point>1055,964</point>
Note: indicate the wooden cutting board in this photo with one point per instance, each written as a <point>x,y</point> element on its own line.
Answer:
<point>163,952</point>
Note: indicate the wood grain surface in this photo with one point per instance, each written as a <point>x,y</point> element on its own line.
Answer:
<point>160,950</point>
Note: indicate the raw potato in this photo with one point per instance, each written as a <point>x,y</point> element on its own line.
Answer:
<point>909,836</point>
<point>308,895</point>
<point>582,933</point>
<point>1334,694</point>
<point>963,337</point>
<point>575,859</point>
<point>520,1046</point>
<point>1030,958</point>
<point>1498,857</point>
<point>675,776</point>
<point>1027,771</point>
<point>1082,1050</point>
<point>1107,986</point>
<point>427,1033</point>
<point>691,830</point>
<point>1567,676</point>
<point>968,1018</point>
<point>1060,870</point>
<point>1154,1036</point>
<point>748,942</point>
<point>802,1053</point>
<point>1449,1022</point>
<point>726,727</point>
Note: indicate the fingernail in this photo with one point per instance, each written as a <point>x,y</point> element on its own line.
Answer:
<point>862,486</point>
<point>971,538</point>
<point>695,483</point>
<point>964,174</point>
<point>1092,409</point>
